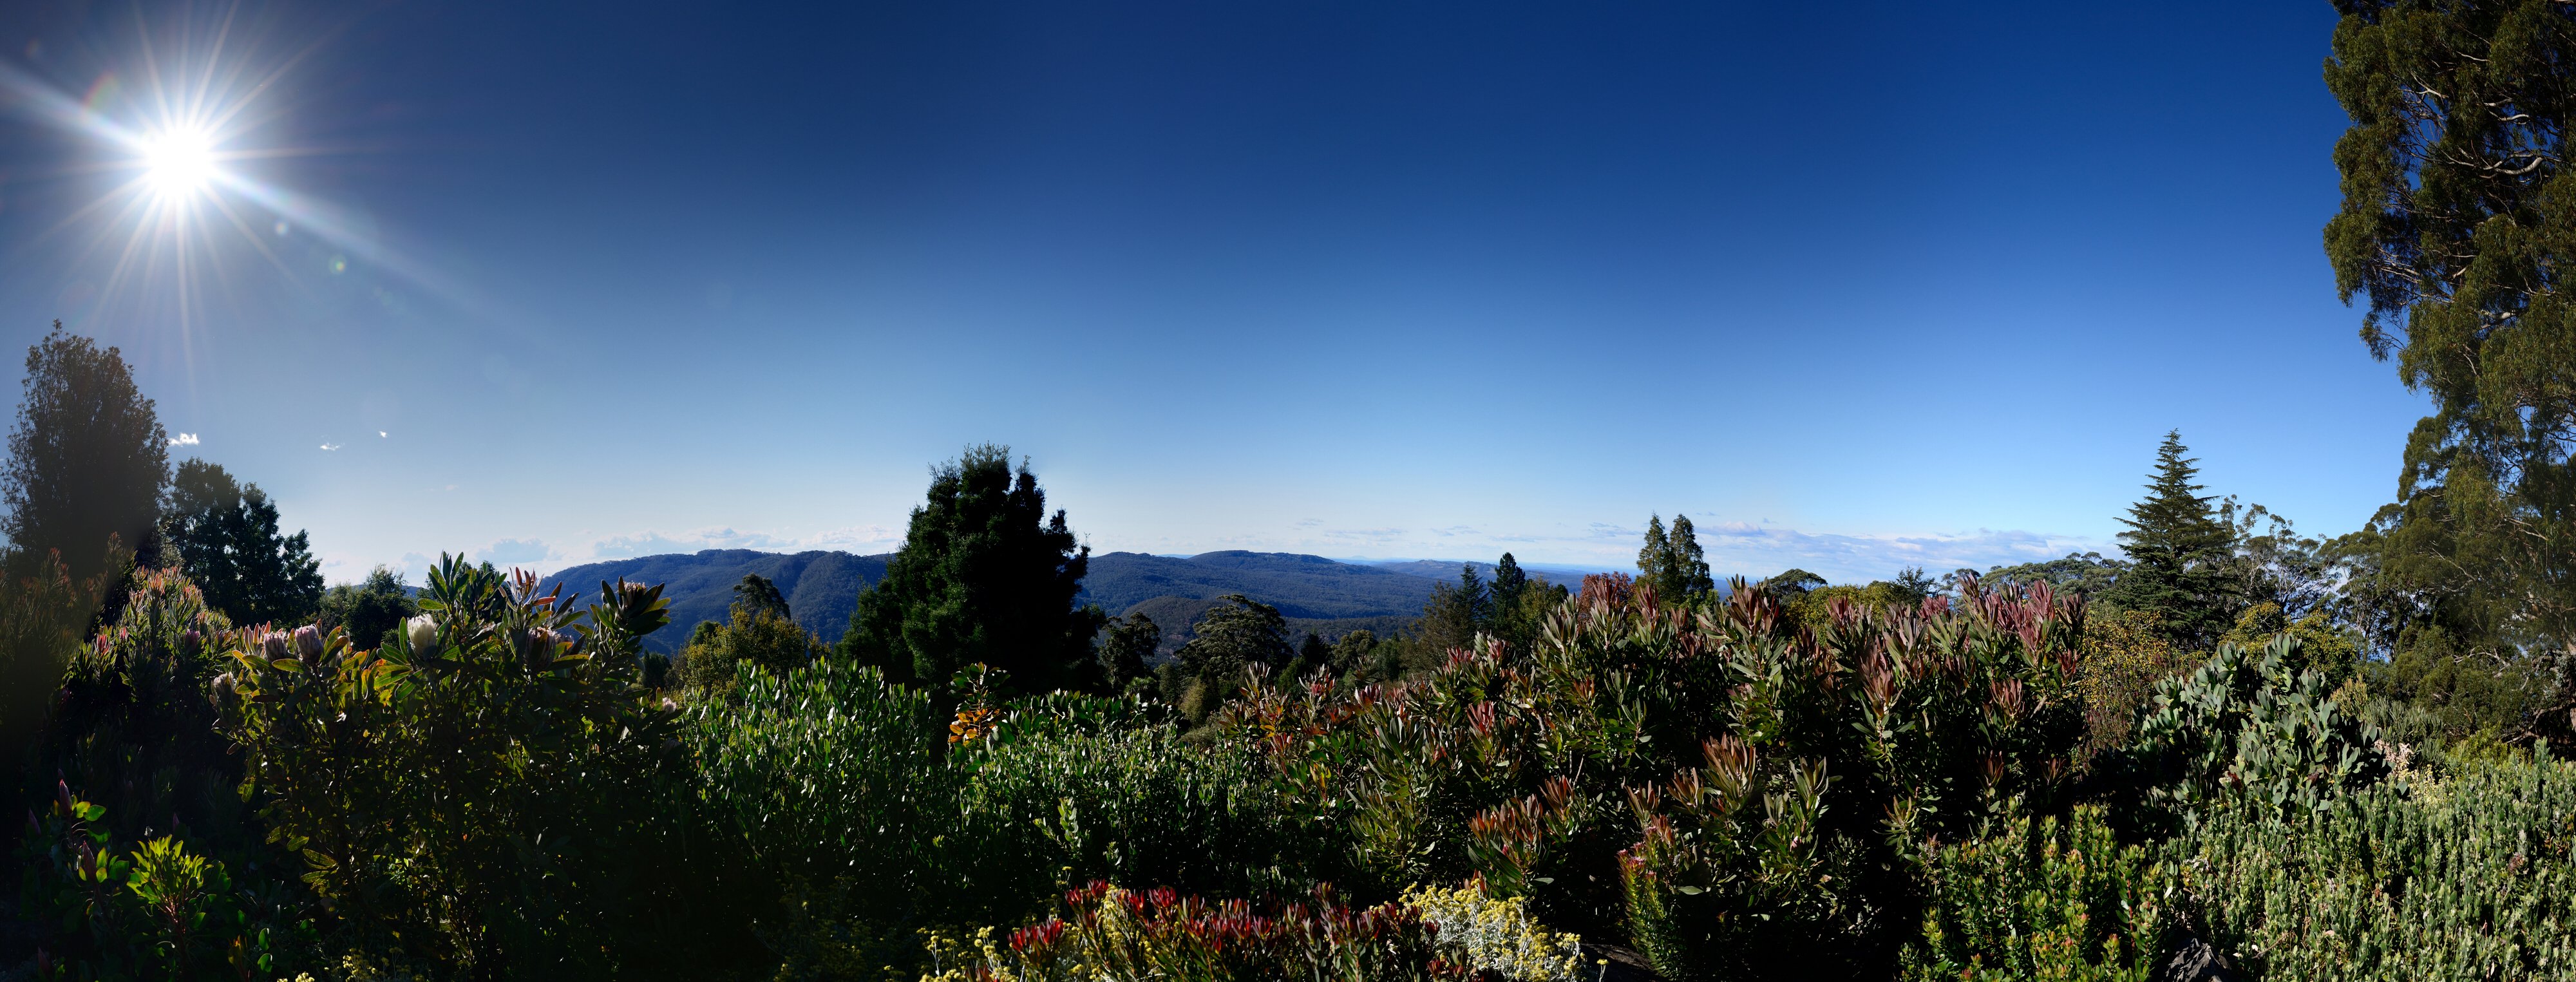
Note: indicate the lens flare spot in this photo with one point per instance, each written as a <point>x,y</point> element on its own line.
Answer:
<point>179,161</point>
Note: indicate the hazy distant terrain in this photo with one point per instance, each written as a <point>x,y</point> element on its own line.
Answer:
<point>1441,569</point>
<point>1316,594</point>
<point>821,587</point>
<point>1300,586</point>
<point>1176,615</point>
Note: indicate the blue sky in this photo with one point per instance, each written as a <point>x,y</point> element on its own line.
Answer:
<point>1854,286</point>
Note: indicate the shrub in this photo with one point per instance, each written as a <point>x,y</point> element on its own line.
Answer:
<point>492,793</point>
<point>2380,885</point>
<point>2240,730</point>
<point>42,613</point>
<point>2041,898</point>
<point>824,775</point>
<point>2125,655</point>
<point>1115,935</point>
<point>1067,789</point>
<point>133,723</point>
<point>1482,933</point>
<point>148,908</point>
<point>1775,777</point>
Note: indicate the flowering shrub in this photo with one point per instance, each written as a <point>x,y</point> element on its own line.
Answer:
<point>132,724</point>
<point>1113,935</point>
<point>1488,934</point>
<point>467,794</point>
<point>1769,782</point>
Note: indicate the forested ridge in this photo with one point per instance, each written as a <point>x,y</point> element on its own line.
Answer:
<point>2235,749</point>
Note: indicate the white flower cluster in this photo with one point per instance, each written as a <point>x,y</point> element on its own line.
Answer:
<point>1483,933</point>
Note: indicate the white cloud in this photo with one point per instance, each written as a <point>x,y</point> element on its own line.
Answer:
<point>184,440</point>
<point>1383,535</point>
<point>854,538</point>
<point>331,446</point>
<point>513,552</point>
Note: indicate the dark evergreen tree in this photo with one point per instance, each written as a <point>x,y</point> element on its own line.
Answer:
<point>1509,581</point>
<point>1128,650</point>
<point>1674,563</point>
<point>984,576</point>
<point>1313,655</point>
<point>2181,563</point>
<point>756,594</point>
<point>1232,638</point>
<point>1453,616</point>
<point>88,458</point>
<point>1474,597</point>
<point>226,536</point>
<point>370,610</point>
<point>1350,657</point>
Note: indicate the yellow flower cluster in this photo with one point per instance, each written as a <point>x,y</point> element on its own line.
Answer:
<point>1497,934</point>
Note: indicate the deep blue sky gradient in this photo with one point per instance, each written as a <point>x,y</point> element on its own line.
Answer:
<point>1854,286</point>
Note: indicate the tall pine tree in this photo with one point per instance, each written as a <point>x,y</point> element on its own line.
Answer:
<point>985,576</point>
<point>2180,549</point>
<point>1674,563</point>
<point>1509,582</point>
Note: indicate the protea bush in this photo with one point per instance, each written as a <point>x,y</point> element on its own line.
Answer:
<point>1717,782</point>
<point>490,796</point>
<point>1115,935</point>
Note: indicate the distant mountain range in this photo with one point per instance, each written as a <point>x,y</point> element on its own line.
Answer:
<point>1316,594</point>
<point>821,588</point>
<point>1441,569</point>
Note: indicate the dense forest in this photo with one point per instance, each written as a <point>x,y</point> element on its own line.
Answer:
<point>2234,750</point>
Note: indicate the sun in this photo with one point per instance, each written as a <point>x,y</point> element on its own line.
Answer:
<point>180,161</point>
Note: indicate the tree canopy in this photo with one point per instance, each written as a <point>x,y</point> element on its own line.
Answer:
<point>756,593</point>
<point>2179,551</point>
<point>1241,633</point>
<point>2457,217</point>
<point>88,458</point>
<point>226,536</point>
<point>369,609</point>
<point>1673,562</point>
<point>985,575</point>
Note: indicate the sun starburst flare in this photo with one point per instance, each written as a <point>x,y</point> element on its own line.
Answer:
<point>185,133</point>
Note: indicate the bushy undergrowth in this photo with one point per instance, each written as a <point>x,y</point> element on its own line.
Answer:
<point>1917,791</point>
<point>2474,882</point>
<point>490,794</point>
<point>1113,935</point>
<point>2040,898</point>
<point>1730,791</point>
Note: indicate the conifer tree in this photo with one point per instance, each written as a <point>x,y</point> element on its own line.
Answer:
<point>1509,581</point>
<point>985,576</point>
<point>2180,551</point>
<point>1674,563</point>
